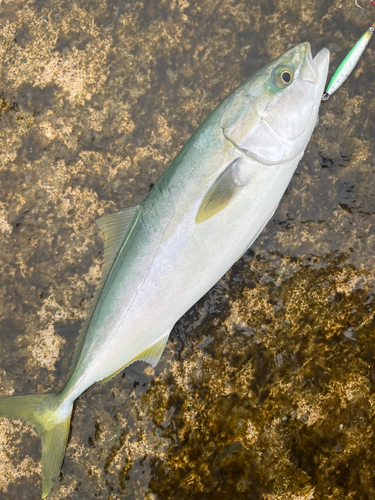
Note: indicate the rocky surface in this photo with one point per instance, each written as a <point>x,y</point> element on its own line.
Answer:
<point>266,387</point>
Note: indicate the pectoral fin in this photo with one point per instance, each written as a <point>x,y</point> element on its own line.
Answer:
<point>221,194</point>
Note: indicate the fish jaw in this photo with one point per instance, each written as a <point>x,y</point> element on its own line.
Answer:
<point>321,65</point>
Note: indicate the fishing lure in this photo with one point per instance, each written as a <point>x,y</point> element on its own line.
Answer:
<point>349,63</point>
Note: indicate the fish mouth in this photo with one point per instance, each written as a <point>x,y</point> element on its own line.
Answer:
<point>321,63</point>
<point>315,69</point>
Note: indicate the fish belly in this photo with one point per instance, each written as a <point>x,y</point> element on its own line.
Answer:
<point>170,263</point>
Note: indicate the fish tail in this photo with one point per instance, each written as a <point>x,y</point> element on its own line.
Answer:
<point>51,419</point>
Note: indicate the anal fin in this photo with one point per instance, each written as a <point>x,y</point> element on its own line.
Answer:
<point>151,355</point>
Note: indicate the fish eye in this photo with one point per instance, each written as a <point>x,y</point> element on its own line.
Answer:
<point>281,78</point>
<point>286,76</point>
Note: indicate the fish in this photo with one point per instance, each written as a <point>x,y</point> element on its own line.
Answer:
<point>349,63</point>
<point>201,216</point>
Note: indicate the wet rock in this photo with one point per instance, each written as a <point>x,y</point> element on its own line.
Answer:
<point>266,387</point>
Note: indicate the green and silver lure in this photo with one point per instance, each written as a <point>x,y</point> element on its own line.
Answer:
<point>349,63</point>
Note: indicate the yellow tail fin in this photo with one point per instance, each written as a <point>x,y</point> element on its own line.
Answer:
<point>51,420</point>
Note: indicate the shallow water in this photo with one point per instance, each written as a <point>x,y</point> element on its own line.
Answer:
<point>266,387</point>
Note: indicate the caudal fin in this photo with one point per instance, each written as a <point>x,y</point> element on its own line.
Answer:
<point>51,420</point>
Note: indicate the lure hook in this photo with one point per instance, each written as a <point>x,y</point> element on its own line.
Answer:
<point>357,4</point>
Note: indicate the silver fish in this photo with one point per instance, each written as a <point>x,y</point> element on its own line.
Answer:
<point>201,216</point>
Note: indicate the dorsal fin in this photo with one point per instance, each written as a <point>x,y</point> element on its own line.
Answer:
<point>151,355</point>
<point>221,192</point>
<point>116,228</point>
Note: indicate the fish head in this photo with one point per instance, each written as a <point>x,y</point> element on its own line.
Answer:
<point>275,111</point>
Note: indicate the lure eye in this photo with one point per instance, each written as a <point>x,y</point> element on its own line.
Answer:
<point>371,29</point>
<point>285,77</point>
